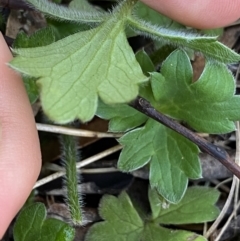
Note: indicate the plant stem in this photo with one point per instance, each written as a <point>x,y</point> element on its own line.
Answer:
<point>70,157</point>
<point>217,152</point>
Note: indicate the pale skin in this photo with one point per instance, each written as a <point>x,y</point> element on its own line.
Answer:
<point>20,157</point>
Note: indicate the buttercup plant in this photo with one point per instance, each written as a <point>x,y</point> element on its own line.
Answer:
<point>94,71</point>
<point>75,77</point>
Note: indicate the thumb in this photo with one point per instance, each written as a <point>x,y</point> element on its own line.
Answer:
<point>19,146</point>
<point>200,14</point>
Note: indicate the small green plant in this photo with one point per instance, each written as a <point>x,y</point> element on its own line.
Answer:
<point>123,222</point>
<point>85,67</point>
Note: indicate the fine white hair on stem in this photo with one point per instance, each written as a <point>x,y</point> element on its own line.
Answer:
<point>176,37</point>
<point>68,14</point>
<point>78,165</point>
<point>207,45</point>
<point>70,158</point>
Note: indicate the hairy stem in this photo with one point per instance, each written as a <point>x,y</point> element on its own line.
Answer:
<point>207,45</point>
<point>70,157</point>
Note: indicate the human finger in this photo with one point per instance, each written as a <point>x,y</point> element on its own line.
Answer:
<point>20,157</point>
<point>202,14</point>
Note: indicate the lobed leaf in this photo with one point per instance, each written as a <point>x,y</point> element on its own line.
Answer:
<point>75,73</point>
<point>172,158</point>
<point>122,222</point>
<point>208,105</point>
<point>197,206</point>
<point>122,117</point>
<point>153,231</point>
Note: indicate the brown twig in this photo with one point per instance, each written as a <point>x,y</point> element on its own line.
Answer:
<point>217,152</point>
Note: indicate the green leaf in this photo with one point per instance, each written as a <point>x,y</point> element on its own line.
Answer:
<point>64,29</point>
<point>122,117</point>
<point>208,105</point>
<point>172,158</point>
<point>32,225</point>
<point>76,74</point>
<point>207,45</point>
<point>84,5</point>
<point>197,206</point>
<point>145,62</point>
<point>63,13</point>
<point>148,14</point>
<point>161,53</point>
<point>122,221</point>
<point>41,37</point>
<point>155,203</point>
<point>56,230</point>
<point>29,222</point>
<point>152,232</point>
<point>31,88</point>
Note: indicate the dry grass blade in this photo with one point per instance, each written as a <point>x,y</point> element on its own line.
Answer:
<point>228,222</point>
<point>236,203</point>
<point>99,170</point>
<point>79,165</point>
<point>75,132</point>
<point>231,194</point>
<point>223,211</point>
